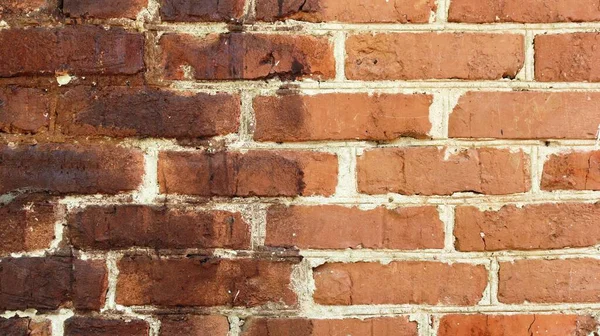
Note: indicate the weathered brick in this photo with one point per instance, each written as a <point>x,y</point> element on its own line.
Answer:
<point>341,116</point>
<point>97,326</point>
<point>135,111</point>
<point>24,326</point>
<point>204,282</point>
<point>27,224</point>
<point>524,11</point>
<point>338,227</point>
<point>51,283</point>
<point>516,325</point>
<point>439,171</point>
<point>67,168</point>
<point>79,50</point>
<point>183,325</point>
<point>125,226</point>
<point>103,9</point>
<point>567,57</point>
<point>24,110</point>
<point>207,10</point>
<point>256,173</point>
<point>549,281</point>
<point>26,10</point>
<point>392,326</point>
<point>406,56</point>
<point>246,56</point>
<point>359,11</point>
<point>526,115</point>
<point>572,171</point>
<point>531,227</point>
<point>399,282</point>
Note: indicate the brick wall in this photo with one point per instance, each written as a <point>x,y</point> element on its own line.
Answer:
<point>299,167</point>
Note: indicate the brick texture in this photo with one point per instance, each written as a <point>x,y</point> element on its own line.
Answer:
<point>175,325</point>
<point>201,11</point>
<point>24,110</point>
<point>572,171</point>
<point>25,326</point>
<point>567,57</point>
<point>104,9</point>
<point>79,325</point>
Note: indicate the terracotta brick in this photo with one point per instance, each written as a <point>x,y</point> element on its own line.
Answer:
<point>406,56</point>
<point>526,115</point>
<point>27,10</point>
<point>27,223</point>
<point>96,326</point>
<point>531,227</point>
<point>246,56</point>
<point>178,325</point>
<point>524,11</point>
<point>125,226</point>
<point>393,326</point>
<point>16,326</point>
<point>24,110</point>
<point>78,50</point>
<point>68,169</point>
<point>358,11</point>
<point>340,116</point>
<point>399,282</point>
<point>516,325</point>
<point>143,111</point>
<point>567,57</point>
<point>201,11</point>
<point>572,171</point>
<point>338,227</point>
<point>439,171</point>
<point>549,281</point>
<point>204,282</point>
<point>103,9</point>
<point>256,173</point>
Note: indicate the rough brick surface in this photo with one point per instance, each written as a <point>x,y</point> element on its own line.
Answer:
<point>246,56</point>
<point>24,110</point>
<point>549,281</point>
<point>367,11</point>
<point>204,282</point>
<point>341,117</point>
<point>466,56</point>
<point>572,171</point>
<point>338,227</point>
<point>104,9</point>
<point>532,227</point>
<point>439,171</point>
<point>114,227</point>
<point>25,326</point>
<point>177,325</point>
<point>90,326</point>
<point>399,282</point>
<point>201,11</point>
<point>567,57</point>
<point>256,173</point>
<point>122,112</point>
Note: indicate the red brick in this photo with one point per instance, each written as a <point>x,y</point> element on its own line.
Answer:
<point>79,50</point>
<point>572,171</point>
<point>359,11</point>
<point>125,226</point>
<point>178,325</point>
<point>256,173</point>
<point>338,227</point>
<point>549,281</point>
<point>27,224</point>
<point>531,227</point>
<point>51,283</point>
<point>567,57</point>
<point>103,9</point>
<point>97,326</point>
<point>526,115</point>
<point>406,56</point>
<point>341,116</point>
<point>24,110</point>
<point>524,11</point>
<point>204,282</point>
<point>246,56</point>
<point>399,282</point>
<point>383,326</point>
<point>26,10</point>
<point>17,326</point>
<point>123,112</point>
<point>516,325</point>
<point>198,11</point>
<point>426,171</point>
<point>66,168</point>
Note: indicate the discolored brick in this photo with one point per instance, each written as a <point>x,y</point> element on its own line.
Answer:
<point>104,9</point>
<point>93,326</point>
<point>24,110</point>
<point>183,325</point>
<point>201,11</point>
<point>572,171</point>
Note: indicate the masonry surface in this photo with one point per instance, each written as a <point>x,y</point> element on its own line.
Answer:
<point>299,167</point>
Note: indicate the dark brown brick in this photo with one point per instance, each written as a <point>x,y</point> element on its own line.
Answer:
<point>184,325</point>
<point>96,326</point>
<point>103,9</point>
<point>90,282</point>
<point>18,326</point>
<point>24,110</point>
<point>201,11</point>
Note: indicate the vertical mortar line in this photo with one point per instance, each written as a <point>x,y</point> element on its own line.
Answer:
<point>59,227</point>
<point>112,259</point>
<point>247,117</point>
<point>347,182</point>
<point>249,11</point>
<point>57,321</point>
<point>493,279</point>
<point>256,214</point>
<point>435,324</point>
<point>536,174</point>
<point>423,321</point>
<point>303,285</point>
<point>447,216</point>
<point>339,54</point>
<point>529,56</point>
<point>438,115</point>
<point>441,15</point>
<point>235,326</point>
<point>149,190</point>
